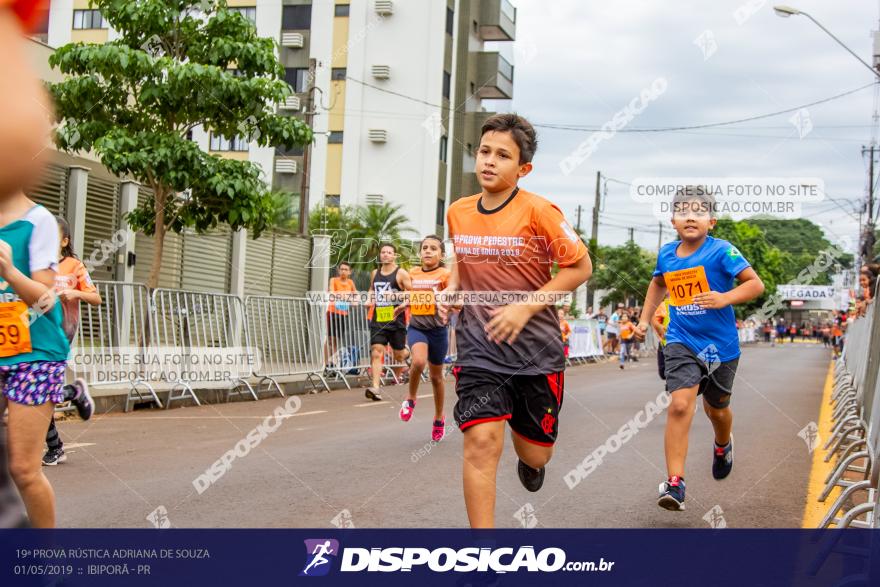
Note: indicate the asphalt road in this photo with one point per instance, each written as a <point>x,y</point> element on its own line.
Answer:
<point>342,460</point>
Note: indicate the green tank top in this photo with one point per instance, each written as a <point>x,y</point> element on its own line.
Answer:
<point>34,242</point>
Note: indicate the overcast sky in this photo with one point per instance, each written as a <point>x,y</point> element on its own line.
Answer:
<point>581,62</point>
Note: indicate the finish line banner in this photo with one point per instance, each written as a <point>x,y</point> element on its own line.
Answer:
<point>188,558</point>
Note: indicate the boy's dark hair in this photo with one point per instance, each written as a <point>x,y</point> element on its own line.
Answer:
<point>520,129</point>
<point>687,195</point>
<point>383,245</point>
<point>341,263</point>
<point>66,250</point>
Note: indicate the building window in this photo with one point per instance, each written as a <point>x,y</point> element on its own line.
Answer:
<point>297,77</point>
<point>296,17</point>
<point>331,200</point>
<point>249,12</point>
<point>444,142</point>
<point>338,73</point>
<point>470,149</point>
<point>88,19</point>
<point>441,212</point>
<point>450,21</point>
<point>447,84</point>
<point>476,28</point>
<point>473,89</point>
<point>341,10</point>
<point>296,151</point>
<point>335,137</point>
<point>221,143</point>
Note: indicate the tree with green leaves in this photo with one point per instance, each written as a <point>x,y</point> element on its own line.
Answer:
<point>356,233</point>
<point>176,66</point>
<point>767,260</point>
<point>625,270</point>
<point>801,242</point>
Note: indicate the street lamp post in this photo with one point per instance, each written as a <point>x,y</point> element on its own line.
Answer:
<point>786,11</point>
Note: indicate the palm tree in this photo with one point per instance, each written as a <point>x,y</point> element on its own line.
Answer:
<point>373,226</point>
<point>357,231</point>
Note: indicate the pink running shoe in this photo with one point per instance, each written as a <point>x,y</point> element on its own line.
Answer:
<point>438,430</point>
<point>406,409</point>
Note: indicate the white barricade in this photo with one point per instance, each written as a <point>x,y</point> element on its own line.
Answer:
<point>187,323</point>
<point>120,325</point>
<point>585,341</point>
<point>345,342</point>
<point>284,331</point>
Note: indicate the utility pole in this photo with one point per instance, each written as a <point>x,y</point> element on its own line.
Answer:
<point>660,238</point>
<point>579,210</point>
<point>594,233</point>
<point>631,231</point>
<point>868,231</point>
<point>306,170</point>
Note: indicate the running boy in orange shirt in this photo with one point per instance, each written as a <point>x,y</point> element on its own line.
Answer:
<point>509,364</point>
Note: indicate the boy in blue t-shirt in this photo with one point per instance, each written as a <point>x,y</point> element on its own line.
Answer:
<point>702,344</point>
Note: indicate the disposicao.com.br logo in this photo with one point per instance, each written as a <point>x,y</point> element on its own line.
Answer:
<point>442,560</point>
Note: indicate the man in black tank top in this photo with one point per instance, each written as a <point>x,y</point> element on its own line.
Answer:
<point>387,322</point>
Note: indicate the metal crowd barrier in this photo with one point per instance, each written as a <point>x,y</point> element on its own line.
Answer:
<point>186,319</point>
<point>282,330</point>
<point>122,321</point>
<point>855,438</point>
<point>345,342</point>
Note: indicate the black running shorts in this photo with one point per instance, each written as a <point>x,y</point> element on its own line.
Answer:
<point>530,403</point>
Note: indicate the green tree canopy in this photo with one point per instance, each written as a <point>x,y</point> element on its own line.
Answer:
<point>801,241</point>
<point>178,65</point>
<point>625,271</point>
<point>357,232</point>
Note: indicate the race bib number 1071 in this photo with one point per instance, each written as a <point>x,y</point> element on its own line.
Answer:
<point>684,284</point>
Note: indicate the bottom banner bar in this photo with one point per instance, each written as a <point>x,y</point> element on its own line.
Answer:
<point>173,557</point>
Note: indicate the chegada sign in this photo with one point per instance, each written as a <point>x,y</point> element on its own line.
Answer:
<point>805,292</point>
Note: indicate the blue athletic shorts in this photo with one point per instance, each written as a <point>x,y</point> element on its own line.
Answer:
<point>437,340</point>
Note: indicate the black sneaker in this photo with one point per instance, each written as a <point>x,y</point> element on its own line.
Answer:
<point>672,494</point>
<point>532,479</point>
<point>54,456</point>
<point>722,462</point>
<point>373,394</point>
<point>83,402</point>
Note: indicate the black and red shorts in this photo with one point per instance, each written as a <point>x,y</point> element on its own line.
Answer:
<point>530,403</point>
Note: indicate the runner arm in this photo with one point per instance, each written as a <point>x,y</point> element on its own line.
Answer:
<point>750,286</point>
<point>404,282</point>
<point>655,295</point>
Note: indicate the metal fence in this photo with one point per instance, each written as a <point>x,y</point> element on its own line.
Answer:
<point>289,336</point>
<point>122,321</point>
<point>186,320</point>
<point>855,439</point>
<point>345,342</point>
<point>283,332</point>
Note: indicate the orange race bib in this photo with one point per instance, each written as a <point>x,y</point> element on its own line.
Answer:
<point>423,303</point>
<point>15,332</point>
<point>684,284</point>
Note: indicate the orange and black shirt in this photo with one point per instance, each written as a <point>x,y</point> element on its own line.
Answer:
<point>510,248</point>
<point>423,300</point>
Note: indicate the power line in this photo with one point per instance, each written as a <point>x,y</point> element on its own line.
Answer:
<point>633,130</point>
<point>714,124</point>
